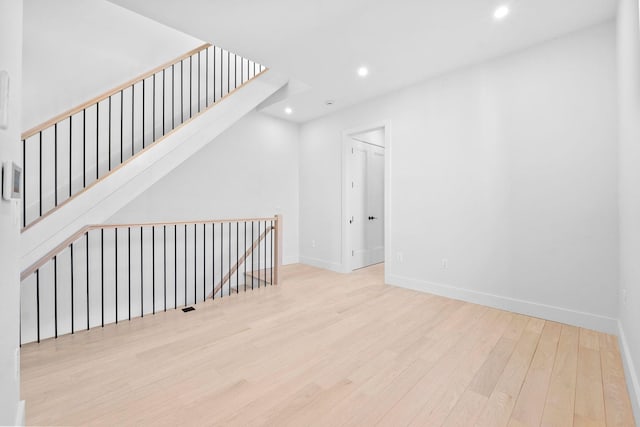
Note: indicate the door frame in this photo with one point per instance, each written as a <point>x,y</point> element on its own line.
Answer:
<point>346,203</point>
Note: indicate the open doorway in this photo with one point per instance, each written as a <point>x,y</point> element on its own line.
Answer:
<point>364,196</point>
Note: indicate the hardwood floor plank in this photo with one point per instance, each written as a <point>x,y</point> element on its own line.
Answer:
<point>467,410</point>
<point>589,407</point>
<point>589,339</point>
<point>487,377</point>
<point>531,399</point>
<point>502,400</point>
<point>560,402</point>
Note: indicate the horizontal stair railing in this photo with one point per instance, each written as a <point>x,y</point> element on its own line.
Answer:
<point>71,152</point>
<point>114,272</point>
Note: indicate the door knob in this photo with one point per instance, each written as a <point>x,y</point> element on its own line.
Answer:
<point>372,218</point>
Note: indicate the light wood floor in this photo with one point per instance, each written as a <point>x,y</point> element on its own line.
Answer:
<point>329,349</point>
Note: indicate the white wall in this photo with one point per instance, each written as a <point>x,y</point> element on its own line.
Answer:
<point>250,170</point>
<point>508,169</point>
<point>629,120</point>
<point>75,50</point>
<point>11,61</point>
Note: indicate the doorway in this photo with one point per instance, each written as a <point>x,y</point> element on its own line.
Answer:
<point>364,201</point>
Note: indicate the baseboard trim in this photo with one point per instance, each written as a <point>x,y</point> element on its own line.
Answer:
<point>20,414</point>
<point>596,322</point>
<point>633,384</point>
<point>320,263</point>
<point>294,259</point>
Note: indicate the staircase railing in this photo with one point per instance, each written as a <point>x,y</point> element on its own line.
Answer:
<point>66,155</point>
<point>114,272</point>
<point>261,274</point>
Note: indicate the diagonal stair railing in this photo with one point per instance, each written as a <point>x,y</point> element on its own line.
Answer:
<point>68,154</point>
<point>115,272</point>
<point>262,276</point>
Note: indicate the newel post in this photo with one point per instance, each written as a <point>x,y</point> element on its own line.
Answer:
<point>277,248</point>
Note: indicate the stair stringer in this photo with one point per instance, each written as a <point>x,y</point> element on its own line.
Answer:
<point>102,200</point>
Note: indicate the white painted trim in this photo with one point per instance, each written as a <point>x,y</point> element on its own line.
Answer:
<point>344,234</point>
<point>291,259</point>
<point>20,414</point>
<point>630,373</point>
<point>320,263</point>
<point>582,319</point>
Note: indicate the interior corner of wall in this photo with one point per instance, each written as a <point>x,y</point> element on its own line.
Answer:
<point>631,374</point>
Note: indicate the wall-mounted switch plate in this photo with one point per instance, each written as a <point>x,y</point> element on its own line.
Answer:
<point>4,99</point>
<point>11,181</point>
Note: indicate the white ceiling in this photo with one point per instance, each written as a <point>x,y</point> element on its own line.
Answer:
<point>323,42</point>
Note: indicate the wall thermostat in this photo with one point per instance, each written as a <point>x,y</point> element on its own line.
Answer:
<point>11,181</point>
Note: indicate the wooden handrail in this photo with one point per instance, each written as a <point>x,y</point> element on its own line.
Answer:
<point>53,252</point>
<point>277,249</point>
<point>75,236</point>
<point>29,133</point>
<point>206,221</point>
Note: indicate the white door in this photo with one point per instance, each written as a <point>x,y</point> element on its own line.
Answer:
<point>375,205</point>
<point>367,204</point>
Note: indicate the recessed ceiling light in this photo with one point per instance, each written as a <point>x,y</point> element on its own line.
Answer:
<point>363,71</point>
<point>501,12</point>
<point>288,110</point>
